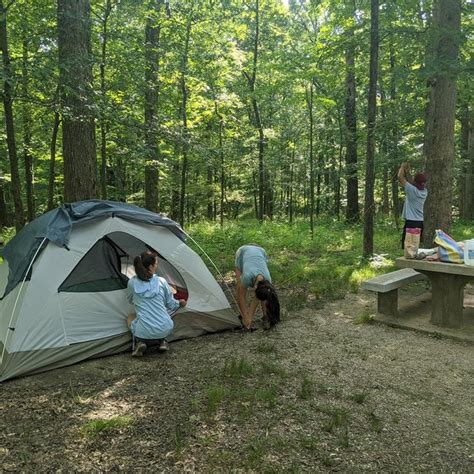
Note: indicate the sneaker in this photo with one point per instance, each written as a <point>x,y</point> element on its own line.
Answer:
<point>163,346</point>
<point>140,348</point>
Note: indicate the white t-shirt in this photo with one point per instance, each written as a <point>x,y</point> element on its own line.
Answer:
<point>414,200</point>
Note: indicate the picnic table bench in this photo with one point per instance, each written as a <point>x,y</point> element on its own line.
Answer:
<point>386,286</point>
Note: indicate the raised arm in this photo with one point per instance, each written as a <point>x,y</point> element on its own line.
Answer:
<point>251,312</point>
<point>402,174</point>
<point>241,292</point>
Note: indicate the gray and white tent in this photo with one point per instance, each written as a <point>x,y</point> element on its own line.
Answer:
<point>63,285</point>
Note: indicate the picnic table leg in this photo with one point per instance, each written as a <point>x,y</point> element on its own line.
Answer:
<point>387,303</point>
<point>447,299</point>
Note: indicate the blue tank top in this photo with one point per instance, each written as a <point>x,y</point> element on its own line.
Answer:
<point>251,261</point>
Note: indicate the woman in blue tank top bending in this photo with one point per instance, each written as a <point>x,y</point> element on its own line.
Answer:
<point>251,272</point>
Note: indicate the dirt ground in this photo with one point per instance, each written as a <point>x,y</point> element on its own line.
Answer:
<point>317,393</point>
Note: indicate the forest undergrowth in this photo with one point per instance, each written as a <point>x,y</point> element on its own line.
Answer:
<point>308,268</point>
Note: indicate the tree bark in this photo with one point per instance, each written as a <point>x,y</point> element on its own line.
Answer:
<point>309,102</point>
<point>352,192</point>
<point>3,206</point>
<point>26,119</point>
<point>75,70</point>
<point>251,80</point>
<point>394,141</point>
<point>221,161</point>
<point>440,126</point>
<point>184,118</point>
<point>292,168</point>
<point>103,93</point>
<point>10,127</point>
<point>467,156</point>
<point>52,161</point>
<point>152,152</point>
<point>368,249</point>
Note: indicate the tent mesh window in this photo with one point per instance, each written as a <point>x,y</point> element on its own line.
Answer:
<point>108,265</point>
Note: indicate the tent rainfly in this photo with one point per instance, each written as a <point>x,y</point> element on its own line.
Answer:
<point>63,285</point>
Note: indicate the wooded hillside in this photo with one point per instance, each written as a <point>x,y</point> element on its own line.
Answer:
<point>222,109</point>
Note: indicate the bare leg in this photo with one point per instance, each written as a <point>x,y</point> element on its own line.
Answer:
<point>130,318</point>
<point>266,323</point>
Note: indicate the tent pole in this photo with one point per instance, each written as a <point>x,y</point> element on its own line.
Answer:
<point>17,298</point>
<point>214,265</point>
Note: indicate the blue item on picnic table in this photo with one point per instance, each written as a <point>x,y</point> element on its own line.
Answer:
<point>449,251</point>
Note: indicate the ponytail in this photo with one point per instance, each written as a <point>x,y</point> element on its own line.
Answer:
<point>142,264</point>
<point>265,291</point>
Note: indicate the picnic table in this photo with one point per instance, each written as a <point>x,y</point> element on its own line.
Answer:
<point>447,288</point>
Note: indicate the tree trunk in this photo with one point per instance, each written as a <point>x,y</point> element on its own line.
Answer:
<point>467,156</point>
<point>222,162</point>
<point>3,206</point>
<point>210,193</point>
<point>384,148</point>
<point>75,71</point>
<point>394,141</point>
<point>152,58</point>
<point>440,126</point>
<point>368,249</point>
<point>26,119</point>
<point>103,93</point>
<point>52,161</point>
<point>309,102</point>
<point>184,117</point>
<point>352,192</point>
<point>10,127</point>
<point>292,168</point>
<point>251,79</point>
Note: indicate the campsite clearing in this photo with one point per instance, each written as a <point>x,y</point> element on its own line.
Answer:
<point>317,393</point>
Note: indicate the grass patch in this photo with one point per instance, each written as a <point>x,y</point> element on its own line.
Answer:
<point>214,397</point>
<point>343,437</point>
<point>306,391</point>
<point>268,396</point>
<point>266,348</point>
<point>375,422</point>
<point>77,398</point>
<point>272,368</point>
<point>310,443</point>
<point>94,428</point>
<point>358,397</point>
<point>327,461</point>
<point>338,417</point>
<point>237,368</point>
<point>364,318</point>
<point>179,438</point>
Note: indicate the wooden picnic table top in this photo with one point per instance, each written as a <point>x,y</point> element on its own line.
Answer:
<point>438,267</point>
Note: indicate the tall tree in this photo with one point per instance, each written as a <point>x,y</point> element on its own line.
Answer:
<point>309,102</point>
<point>152,62</point>
<point>251,81</point>
<point>104,20</point>
<point>184,118</point>
<point>371,114</point>
<point>10,127</point>
<point>26,122</point>
<point>352,210</point>
<point>78,127</point>
<point>467,164</point>
<point>441,116</point>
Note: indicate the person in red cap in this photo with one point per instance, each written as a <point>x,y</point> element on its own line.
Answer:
<point>415,197</point>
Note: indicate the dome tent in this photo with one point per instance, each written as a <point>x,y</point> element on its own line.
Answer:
<point>64,278</point>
